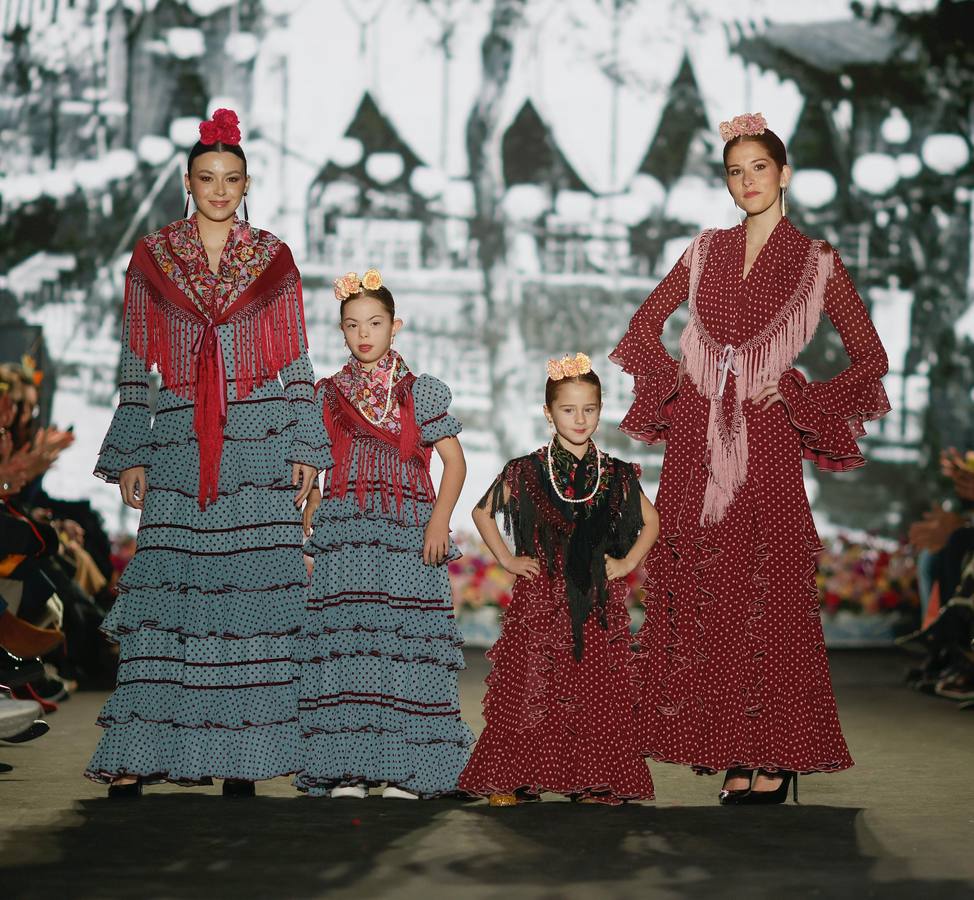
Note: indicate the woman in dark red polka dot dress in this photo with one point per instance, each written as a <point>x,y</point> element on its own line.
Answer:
<point>731,665</point>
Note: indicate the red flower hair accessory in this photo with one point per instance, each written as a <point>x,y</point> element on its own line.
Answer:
<point>221,129</point>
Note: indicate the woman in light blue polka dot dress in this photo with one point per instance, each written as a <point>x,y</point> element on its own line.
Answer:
<point>209,605</point>
<point>380,649</point>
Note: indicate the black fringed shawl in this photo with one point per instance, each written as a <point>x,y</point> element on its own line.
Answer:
<point>578,539</point>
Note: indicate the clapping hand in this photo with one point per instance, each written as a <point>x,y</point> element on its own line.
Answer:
<point>960,470</point>
<point>932,532</point>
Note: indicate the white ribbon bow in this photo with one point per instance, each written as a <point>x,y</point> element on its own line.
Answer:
<point>726,366</point>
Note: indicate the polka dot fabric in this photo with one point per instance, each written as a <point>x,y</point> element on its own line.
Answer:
<point>379,648</point>
<point>210,603</point>
<point>731,666</point>
<point>554,723</point>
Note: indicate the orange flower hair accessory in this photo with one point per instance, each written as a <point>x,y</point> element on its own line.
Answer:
<point>569,367</point>
<point>749,124</point>
<point>350,283</point>
<point>372,280</point>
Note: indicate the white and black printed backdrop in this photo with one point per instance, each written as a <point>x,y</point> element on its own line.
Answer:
<point>522,171</point>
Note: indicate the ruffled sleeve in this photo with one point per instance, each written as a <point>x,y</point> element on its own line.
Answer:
<point>129,441</point>
<point>432,403</point>
<point>830,414</point>
<point>641,353</point>
<point>310,445</point>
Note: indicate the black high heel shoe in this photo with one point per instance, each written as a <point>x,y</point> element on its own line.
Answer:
<point>778,795</point>
<point>728,797</point>
<point>130,791</point>
<point>237,787</point>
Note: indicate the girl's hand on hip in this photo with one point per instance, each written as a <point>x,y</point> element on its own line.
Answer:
<point>616,568</point>
<point>523,566</point>
<point>310,508</point>
<point>307,478</point>
<point>133,486</point>
<point>767,396</point>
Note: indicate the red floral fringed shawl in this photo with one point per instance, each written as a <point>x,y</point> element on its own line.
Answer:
<point>390,456</point>
<point>174,305</point>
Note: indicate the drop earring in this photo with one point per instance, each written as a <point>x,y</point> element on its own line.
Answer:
<point>784,203</point>
<point>246,217</point>
<point>186,207</point>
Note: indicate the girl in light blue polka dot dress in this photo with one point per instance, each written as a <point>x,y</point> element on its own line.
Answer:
<point>380,649</point>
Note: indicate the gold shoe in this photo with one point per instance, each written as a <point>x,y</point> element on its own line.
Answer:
<point>503,800</point>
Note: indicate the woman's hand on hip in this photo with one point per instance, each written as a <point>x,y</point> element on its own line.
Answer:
<point>767,396</point>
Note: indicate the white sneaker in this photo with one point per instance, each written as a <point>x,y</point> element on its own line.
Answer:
<point>16,715</point>
<point>396,793</point>
<point>356,791</point>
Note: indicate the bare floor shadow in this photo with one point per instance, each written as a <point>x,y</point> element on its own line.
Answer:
<point>205,846</point>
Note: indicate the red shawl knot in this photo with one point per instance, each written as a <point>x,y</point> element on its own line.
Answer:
<point>210,410</point>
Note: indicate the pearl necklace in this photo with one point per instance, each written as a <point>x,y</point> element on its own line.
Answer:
<point>385,415</point>
<point>554,483</point>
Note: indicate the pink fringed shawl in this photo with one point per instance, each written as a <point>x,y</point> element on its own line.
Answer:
<point>171,331</point>
<point>716,369</point>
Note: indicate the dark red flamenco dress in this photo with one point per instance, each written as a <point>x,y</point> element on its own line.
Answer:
<point>559,702</point>
<point>731,665</point>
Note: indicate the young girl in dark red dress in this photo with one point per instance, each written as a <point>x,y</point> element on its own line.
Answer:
<point>559,701</point>
<point>731,664</point>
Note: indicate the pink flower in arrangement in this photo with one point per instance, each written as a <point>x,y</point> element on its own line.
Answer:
<point>347,285</point>
<point>746,124</point>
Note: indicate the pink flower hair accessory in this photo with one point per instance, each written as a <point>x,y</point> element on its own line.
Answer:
<point>223,128</point>
<point>569,366</point>
<point>749,124</point>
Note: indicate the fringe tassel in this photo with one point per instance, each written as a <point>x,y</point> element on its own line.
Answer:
<point>379,465</point>
<point>267,336</point>
<point>758,362</point>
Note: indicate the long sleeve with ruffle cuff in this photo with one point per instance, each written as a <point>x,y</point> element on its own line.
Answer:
<point>649,416</point>
<point>432,403</point>
<point>310,445</point>
<point>129,441</point>
<point>829,428</point>
<point>656,375</point>
<point>830,414</point>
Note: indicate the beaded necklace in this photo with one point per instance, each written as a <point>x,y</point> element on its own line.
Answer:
<point>554,482</point>
<point>385,415</point>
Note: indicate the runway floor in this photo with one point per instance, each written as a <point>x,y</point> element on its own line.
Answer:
<point>898,825</point>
